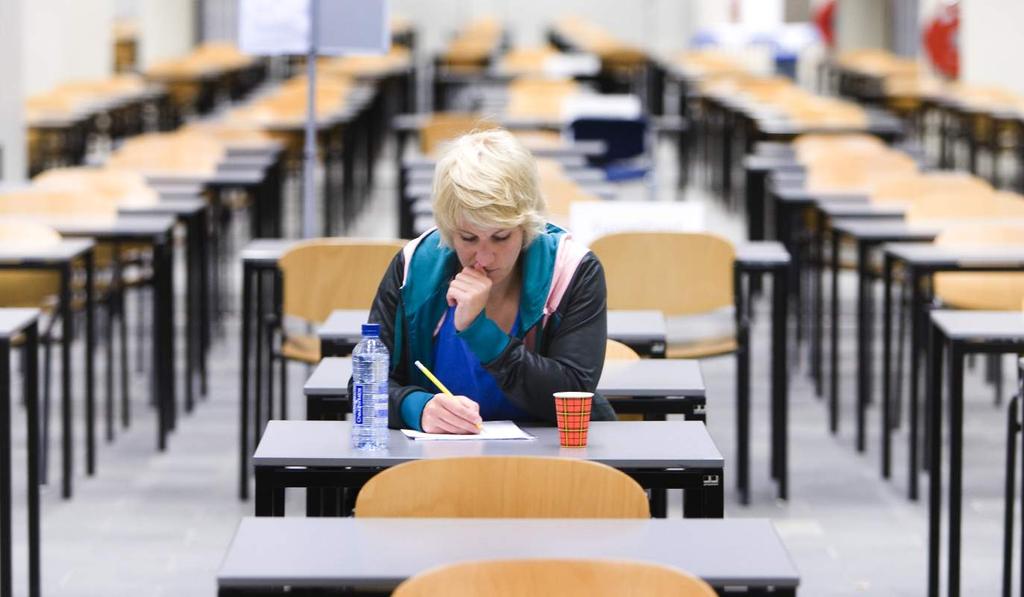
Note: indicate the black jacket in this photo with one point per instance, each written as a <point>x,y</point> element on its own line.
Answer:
<point>569,354</point>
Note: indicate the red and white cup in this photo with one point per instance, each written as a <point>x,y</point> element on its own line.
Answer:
<point>572,410</point>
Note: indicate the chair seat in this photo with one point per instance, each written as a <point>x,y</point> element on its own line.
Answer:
<point>705,347</point>
<point>302,348</point>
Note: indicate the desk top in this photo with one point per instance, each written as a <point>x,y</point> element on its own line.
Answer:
<point>57,253</point>
<point>882,230</point>
<point>13,321</point>
<point>170,207</point>
<point>930,254</point>
<point>345,325</point>
<point>644,377</point>
<point>860,208</point>
<point>621,444</point>
<point>761,253</point>
<point>266,251</point>
<point>123,226</point>
<point>382,552</point>
<point>980,325</point>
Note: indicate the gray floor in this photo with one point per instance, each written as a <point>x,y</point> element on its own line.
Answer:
<point>154,523</point>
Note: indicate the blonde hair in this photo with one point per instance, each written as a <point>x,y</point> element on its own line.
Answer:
<point>489,180</point>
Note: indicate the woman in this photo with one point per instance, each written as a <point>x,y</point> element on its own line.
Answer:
<point>503,308</point>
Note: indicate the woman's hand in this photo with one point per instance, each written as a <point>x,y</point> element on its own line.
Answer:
<point>451,414</point>
<point>468,291</point>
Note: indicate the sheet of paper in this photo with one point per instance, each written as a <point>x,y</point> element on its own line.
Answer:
<point>491,430</point>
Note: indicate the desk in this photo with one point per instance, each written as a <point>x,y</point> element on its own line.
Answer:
<point>920,262</point>
<point>61,257</point>
<point>14,323</point>
<point>155,231</point>
<point>867,234</point>
<point>959,333</point>
<point>651,387</point>
<point>331,553</point>
<point>657,454</point>
<point>752,260</point>
<point>643,331</point>
<point>192,214</point>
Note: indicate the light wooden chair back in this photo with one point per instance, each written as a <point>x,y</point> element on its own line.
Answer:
<point>845,173</point>
<point>952,207</point>
<point>443,127</point>
<point>121,187</point>
<point>905,188</point>
<point>995,291</point>
<point>617,351</point>
<point>322,275</point>
<point>32,202</point>
<point>27,288</point>
<point>502,487</point>
<point>554,578</point>
<point>677,273</point>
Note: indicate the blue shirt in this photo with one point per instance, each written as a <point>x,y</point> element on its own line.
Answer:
<point>459,369</point>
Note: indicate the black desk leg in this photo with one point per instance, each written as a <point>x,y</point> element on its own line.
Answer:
<point>204,297</point>
<point>243,423</point>
<point>1009,494</point>
<point>112,313</point>
<point>90,367</point>
<point>31,390</point>
<point>65,379</point>
<point>915,348</point>
<point>269,497</point>
<point>742,389</point>
<point>191,311</point>
<point>935,477</point>
<point>780,380</point>
<point>863,338</point>
<point>833,405</point>
<point>260,321</point>
<point>6,532</point>
<point>659,502</point>
<point>956,435</point>
<point>707,500</point>
<point>886,367</point>
<point>818,332</point>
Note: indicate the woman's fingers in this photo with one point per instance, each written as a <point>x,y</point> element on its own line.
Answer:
<point>459,415</point>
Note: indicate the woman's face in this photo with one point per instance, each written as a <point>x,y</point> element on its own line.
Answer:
<point>494,250</point>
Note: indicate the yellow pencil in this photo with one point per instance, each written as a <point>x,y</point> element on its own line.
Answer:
<point>437,382</point>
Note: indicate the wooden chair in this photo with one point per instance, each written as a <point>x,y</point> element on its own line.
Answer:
<point>552,577</point>
<point>442,127</point>
<point>673,272</point>
<point>617,351</point>
<point>502,487</point>
<point>319,276</point>
<point>905,188</point>
<point>996,291</point>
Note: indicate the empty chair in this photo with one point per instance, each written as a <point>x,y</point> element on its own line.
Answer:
<point>319,276</point>
<point>676,273</point>
<point>996,291</point>
<point>445,126</point>
<point>550,578</point>
<point>502,487</point>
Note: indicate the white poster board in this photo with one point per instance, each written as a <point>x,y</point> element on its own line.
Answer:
<point>589,220</point>
<point>276,27</point>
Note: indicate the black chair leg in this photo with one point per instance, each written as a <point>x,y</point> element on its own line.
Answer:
<point>901,343</point>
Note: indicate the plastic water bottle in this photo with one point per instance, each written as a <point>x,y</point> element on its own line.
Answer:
<point>370,364</point>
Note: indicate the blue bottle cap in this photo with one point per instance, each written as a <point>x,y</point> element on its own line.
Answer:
<point>371,330</point>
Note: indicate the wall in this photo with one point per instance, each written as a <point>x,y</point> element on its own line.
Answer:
<point>12,134</point>
<point>991,44</point>
<point>64,40</point>
<point>165,29</point>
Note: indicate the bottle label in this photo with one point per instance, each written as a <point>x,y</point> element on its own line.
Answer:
<point>357,403</point>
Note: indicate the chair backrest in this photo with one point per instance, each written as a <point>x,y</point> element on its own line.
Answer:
<point>997,291</point>
<point>623,137</point>
<point>502,487</point>
<point>905,188</point>
<point>26,288</point>
<point>677,273</point>
<point>443,127</point>
<point>34,202</point>
<point>551,578</point>
<point>617,351</point>
<point>121,187</point>
<point>321,275</point>
<point>952,207</point>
